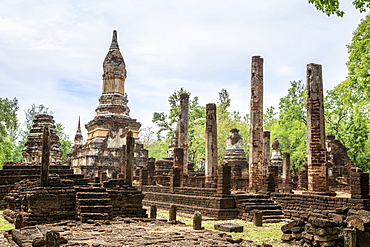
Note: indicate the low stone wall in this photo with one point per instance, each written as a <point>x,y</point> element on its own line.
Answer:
<point>188,200</point>
<point>295,206</point>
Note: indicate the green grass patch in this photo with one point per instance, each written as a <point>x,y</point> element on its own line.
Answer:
<point>4,225</point>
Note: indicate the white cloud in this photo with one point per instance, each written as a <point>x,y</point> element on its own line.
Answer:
<point>52,52</point>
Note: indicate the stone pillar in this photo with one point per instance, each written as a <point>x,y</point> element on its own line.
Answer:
<point>130,145</point>
<point>224,179</point>
<point>143,178</point>
<point>172,213</point>
<point>257,218</point>
<point>266,152</point>
<point>286,169</point>
<point>197,221</point>
<point>174,179</point>
<point>153,211</point>
<point>19,221</point>
<point>316,144</point>
<point>44,178</point>
<point>256,126</point>
<point>211,143</point>
<point>183,130</point>
<point>150,166</point>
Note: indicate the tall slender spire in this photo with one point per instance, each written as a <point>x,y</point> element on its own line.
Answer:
<point>113,100</point>
<point>114,44</point>
<point>113,63</point>
<point>78,136</point>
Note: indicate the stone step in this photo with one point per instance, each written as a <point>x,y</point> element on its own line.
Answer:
<point>94,201</point>
<point>91,189</point>
<point>94,216</point>
<point>91,195</point>
<point>272,212</point>
<point>95,209</point>
<point>250,196</point>
<point>261,207</point>
<point>269,217</point>
<point>256,201</point>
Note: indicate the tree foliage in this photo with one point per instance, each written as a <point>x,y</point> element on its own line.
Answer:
<point>8,128</point>
<point>226,120</point>
<point>347,105</point>
<point>332,7</point>
<point>30,114</point>
<point>167,123</point>
<point>290,125</point>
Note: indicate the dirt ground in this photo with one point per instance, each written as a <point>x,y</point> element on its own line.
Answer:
<point>139,232</point>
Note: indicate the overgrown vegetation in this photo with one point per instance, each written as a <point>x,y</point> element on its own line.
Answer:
<point>5,225</point>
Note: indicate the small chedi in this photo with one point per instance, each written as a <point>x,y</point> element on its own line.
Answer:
<point>105,146</point>
<point>33,146</point>
<point>276,159</point>
<point>236,158</point>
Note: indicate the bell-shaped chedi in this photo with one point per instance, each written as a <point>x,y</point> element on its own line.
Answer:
<point>235,155</point>
<point>32,151</point>
<point>104,150</point>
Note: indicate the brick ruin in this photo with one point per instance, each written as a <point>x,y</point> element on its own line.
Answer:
<point>49,192</point>
<point>111,174</point>
<point>32,151</point>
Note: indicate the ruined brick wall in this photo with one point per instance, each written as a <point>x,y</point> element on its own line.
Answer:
<point>296,206</point>
<point>188,200</point>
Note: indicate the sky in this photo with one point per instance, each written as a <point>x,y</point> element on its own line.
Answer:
<point>51,52</point>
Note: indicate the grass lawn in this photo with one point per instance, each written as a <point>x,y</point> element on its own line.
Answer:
<point>269,233</point>
<point>4,225</point>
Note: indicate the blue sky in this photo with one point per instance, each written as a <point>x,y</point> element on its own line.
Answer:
<point>51,52</point>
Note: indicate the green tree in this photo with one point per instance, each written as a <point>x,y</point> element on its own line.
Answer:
<point>347,105</point>
<point>27,125</point>
<point>167,123</point>
<point>331,7</point>
<point>8,128</point>
<point>290,125</point>
<point>65,143</point>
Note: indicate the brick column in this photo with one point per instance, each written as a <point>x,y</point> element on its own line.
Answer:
<point>174,179</point>
<point>143,178</point>
<point>183,130</point>
<point>150,166</point>
<point>256,126</point>
<point>211,143</point>
<point>359,183</point>
<point>224,179</point>
<point>266,152</point>
<point>44,176</point>
<point>286,169</point>
<point>178,159</point>
<point>130,143</point>
<point>316,150</point>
